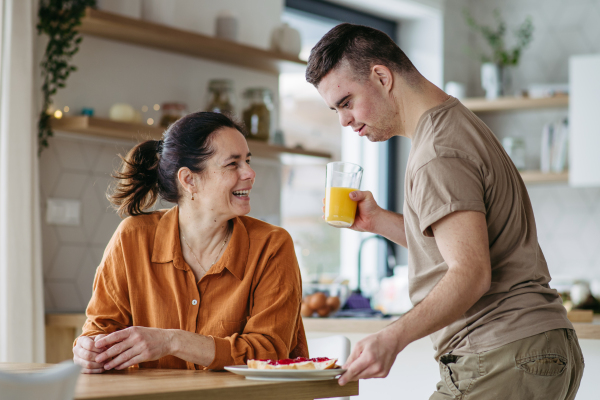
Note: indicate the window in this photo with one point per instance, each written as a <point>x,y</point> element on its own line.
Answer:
<point>326,253</point>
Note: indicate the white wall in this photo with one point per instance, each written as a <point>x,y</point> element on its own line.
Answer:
<point>111,72</point>
<point>422,41</point>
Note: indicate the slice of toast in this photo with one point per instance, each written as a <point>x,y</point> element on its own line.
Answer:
<point>297,363</point>
<point>257,364</point>
<point>325,364</point>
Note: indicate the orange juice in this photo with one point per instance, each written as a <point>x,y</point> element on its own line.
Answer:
<point>340,210</point>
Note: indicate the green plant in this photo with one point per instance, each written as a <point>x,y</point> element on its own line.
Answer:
<point>494,37</point>
<point>58,19</point>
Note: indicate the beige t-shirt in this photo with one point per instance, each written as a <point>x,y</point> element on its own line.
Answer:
<point>456,163</point>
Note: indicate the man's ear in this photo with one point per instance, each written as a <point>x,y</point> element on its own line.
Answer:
<point>383,75</point>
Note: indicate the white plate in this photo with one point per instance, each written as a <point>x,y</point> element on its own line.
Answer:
<point>285,374</point>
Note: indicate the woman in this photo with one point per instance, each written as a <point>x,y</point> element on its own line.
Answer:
<point>198,286</point>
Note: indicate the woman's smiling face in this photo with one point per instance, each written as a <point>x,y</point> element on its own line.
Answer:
<point>224,186</point>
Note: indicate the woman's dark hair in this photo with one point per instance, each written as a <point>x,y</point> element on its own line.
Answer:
<point>150,169</point>
<point>361,47</point>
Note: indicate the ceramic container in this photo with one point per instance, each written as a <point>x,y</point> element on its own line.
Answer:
<point>226,26</point>
<point>159,11</point>
<point>286,39</point>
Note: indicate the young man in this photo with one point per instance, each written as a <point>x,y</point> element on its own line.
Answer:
<point>478,278</point>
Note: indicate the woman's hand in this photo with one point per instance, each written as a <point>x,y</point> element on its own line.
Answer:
<point>134,345</point>
<point>85,353</point>
<point>367,211</point>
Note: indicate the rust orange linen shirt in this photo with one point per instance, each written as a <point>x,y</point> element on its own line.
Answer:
<point>248,302</point>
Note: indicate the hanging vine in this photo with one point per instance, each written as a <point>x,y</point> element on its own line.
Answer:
<point>59,20</point>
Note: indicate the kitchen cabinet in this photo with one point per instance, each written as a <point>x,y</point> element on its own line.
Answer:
<point>584,79</point>
<point>504,104</point>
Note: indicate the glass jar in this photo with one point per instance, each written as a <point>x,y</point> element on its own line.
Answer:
<point>220,96</point>
<point>515,148</point>
<point>171,112</point>
<point>258,112</point>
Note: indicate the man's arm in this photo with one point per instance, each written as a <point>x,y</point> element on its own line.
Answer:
<point>462,240</point>
<point>391,226</point>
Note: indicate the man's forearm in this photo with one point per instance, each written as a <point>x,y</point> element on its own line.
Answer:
<point>456,293</point>
<point>391,226</point>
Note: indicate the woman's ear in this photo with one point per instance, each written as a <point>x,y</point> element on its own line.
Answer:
<point>186,180</point>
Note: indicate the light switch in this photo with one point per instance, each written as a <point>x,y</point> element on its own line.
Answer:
<point>63,212</point>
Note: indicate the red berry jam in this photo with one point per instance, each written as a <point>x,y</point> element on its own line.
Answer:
<point>287,361</point>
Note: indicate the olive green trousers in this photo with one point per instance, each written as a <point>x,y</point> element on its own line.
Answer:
<point>546,366</point>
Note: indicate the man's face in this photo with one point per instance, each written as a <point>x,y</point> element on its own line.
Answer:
<point>363,104</point>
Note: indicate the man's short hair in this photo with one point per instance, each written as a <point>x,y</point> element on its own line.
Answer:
<point>361,47</point>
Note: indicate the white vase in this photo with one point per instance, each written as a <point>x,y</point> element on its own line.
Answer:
<point>286,39</point>
<point>159,11</point>
<point>495,80</point>
<point>491,78</point>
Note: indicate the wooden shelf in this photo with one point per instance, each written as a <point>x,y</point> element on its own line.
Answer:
<point>107,128</point>
<point>480,104</point>
<point>542,177</point>
<point>133,131</point>
<point>130,30</point>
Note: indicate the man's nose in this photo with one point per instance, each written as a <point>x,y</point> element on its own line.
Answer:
<point>345,119</point>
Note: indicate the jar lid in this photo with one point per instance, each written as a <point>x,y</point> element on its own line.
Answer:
<point>220,84</point>
<point>257,90</point>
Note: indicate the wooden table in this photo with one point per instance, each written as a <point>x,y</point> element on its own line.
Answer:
<point>158,384</point>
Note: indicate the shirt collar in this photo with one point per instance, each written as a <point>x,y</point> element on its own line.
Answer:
<point>167,246</point>
<point>236,253</point>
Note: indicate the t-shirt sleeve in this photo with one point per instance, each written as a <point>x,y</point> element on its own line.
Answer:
<point>445,185</point>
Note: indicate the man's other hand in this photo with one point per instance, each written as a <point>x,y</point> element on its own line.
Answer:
<point>372,357</point>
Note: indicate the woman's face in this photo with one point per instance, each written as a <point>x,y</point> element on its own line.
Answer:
<point>224,186</point>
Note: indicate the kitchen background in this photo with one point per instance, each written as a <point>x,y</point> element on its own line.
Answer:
<point>78,167</point>
<point>568,219</point>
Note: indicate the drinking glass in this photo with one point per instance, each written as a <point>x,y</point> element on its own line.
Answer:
<point>343,178</point>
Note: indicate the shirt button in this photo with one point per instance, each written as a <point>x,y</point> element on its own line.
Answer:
<point>194,302</point>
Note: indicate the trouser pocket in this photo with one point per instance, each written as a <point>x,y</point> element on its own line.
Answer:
<point>450,368</point>
<point>548,364</point>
